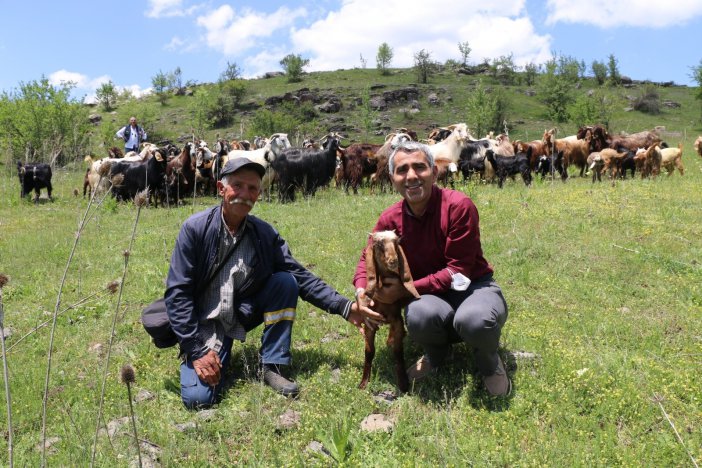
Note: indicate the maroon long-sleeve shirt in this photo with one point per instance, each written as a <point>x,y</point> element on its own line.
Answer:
<point>445,239</point>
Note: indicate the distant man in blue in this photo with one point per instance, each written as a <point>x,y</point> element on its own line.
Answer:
<point>132,135</point>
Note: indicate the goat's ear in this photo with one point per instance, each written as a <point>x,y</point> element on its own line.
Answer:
<point>371,275</point>
<point>405,273</point>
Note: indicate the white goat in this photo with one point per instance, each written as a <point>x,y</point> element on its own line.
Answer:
<point>264,156</point>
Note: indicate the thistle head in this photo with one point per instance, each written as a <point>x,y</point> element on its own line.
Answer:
<point>141,198</point>
<point>112,286</point>
<point>127,375</point>
<point>118,180</point>
<point>104,169</point>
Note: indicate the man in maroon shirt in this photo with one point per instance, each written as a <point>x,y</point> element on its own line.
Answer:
<point>440,235</point>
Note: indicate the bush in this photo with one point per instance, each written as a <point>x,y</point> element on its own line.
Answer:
<point>649,100</point>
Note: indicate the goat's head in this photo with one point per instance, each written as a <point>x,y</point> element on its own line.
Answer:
<point>386,259</point>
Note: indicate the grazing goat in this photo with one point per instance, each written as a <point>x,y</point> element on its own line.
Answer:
<point>510,166</point>
<point>550,164</point>
<point>698,146</point>
<point>34,177</point>
<point>358,161</point>
<point>305,168</point>
<point>139,176</point>
<point>387,268</point>
<point>274,146</point>
<point>575,151</point>
<point>671,158</point>
<point>648,161</point>
<point>180,174</point>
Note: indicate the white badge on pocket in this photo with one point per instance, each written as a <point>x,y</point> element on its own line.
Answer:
<point>459,282</point>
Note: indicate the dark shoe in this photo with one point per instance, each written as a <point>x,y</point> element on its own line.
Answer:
<point>498,384</point>
<point>420,369</point>
<point>274,379</point>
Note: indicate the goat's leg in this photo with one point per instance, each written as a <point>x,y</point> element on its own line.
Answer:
<point>396,336</point>
<point>369,334</point>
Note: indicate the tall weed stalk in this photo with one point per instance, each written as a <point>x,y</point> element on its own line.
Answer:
<point>104,171</point>
<point>140,200</point>
<point>6,371</point>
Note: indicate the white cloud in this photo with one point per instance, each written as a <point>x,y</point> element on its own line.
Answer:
<point>64,76</point>
<point>492,29</point>
<point>622,13</point>
<point>233,32</point>
<point>169,8</point>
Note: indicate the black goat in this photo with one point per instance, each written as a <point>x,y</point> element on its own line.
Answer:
<point>628,162</point>
<point>305,168</point>
<point>139,176</point>
<point>34,177</point>
<point>468,167</point>
<point>510,166</point>
<point>549,165</point>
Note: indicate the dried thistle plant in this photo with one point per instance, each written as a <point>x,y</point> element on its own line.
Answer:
<point>104,169</point>
<point>3,281</point>
<point>142,198</point>
<point>117,180</point>
<point>128,377</point>
<point>115,316</point>
<point>112,286</point>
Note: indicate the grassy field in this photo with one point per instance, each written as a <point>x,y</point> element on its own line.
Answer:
<point>603,340</point>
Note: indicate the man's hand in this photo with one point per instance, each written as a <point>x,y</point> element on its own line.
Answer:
<point>208,368</point>
<point>360,313</point>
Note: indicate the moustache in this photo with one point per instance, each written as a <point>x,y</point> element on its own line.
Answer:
<point>242,201</point>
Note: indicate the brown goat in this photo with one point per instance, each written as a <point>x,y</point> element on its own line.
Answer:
<point>387,268</point>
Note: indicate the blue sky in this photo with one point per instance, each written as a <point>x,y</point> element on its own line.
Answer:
<point>128,42</point>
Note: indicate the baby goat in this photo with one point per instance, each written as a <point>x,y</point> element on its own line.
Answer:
<point>387,269</point>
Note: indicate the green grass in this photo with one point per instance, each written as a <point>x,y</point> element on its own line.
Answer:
<point>603,285</point>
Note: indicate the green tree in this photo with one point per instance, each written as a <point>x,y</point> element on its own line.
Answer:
<point>383,58</point>
<point>223,106</point>
<point>293,65</point>
<point>290,118</point>
<point>106,95</point>
<point>504,70</point>
<point>555,91</point>
<point>230,73</point>
<point>648,100</point>
<point>176,81</point>
<point>613,67</point>
<point>161,84</point>
<point>568,68</point>
<point>424,66</point>
<point>486,110</point>
<point>696,75</point>
<point>599,70</point>
<point>42,123</point>
<point>465,50</point>
<point>531,71</point>
<point>203,100</point>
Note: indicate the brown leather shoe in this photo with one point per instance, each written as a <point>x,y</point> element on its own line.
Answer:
<point>273,377</point>
<point>498,384</point>
<point>420,369</point>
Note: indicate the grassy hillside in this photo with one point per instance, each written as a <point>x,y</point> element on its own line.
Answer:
<point>526,114</point>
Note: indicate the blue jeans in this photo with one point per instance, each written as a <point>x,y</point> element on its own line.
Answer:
<point>274,306</point>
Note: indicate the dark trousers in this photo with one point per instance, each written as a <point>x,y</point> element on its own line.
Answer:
<point>474,316</point>
<point>274,306</point>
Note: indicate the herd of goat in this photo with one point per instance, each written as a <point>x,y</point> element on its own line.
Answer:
<point>172,174</point>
